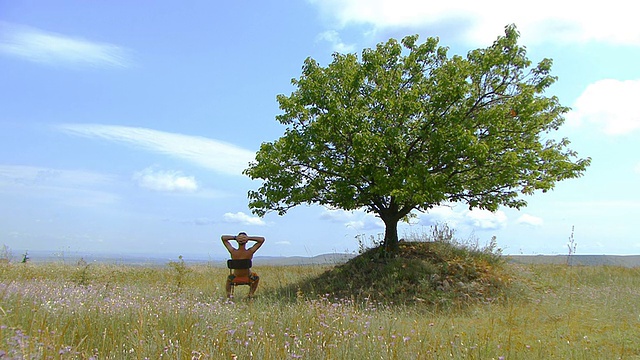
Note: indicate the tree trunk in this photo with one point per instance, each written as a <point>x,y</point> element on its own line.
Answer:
<point>391,236</point>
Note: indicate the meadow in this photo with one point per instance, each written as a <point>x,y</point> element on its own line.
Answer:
<point>178,311</point>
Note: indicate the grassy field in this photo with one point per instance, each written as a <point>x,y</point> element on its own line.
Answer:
<point>100,311</point>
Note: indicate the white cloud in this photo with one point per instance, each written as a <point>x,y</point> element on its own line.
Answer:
<point>165,181</point>
<point>365,224</point>
<point>530,220</point>
<point>242,218</point>
<point>355,225</point>
<point>609,104</point>
<point>336,215</point>
<point>486,220</point>
<point>336,42</point>
<point>283,242</point>
<point>356,220</point>
<point>55,49</point>
<point>208,153</point>
<point>441,214</point>
<point>456,217</point>
<point>481,21</point>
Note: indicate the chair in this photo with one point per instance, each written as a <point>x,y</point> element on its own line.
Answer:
<point>239,280</point>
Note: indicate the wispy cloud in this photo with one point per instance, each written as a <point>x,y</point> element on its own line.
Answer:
<point>337,215</point>
<point>208,153</point>
<point>356,220</point>
<point>243,219</point>
<point>50,48</point>
<point>530,220</point>
<point>71,187</point>
<point>481,21</point>
<point>610,105</point>
<point>39,176</point>
<point>333,37</point>
<point>456,216</point>
<point>169,181</point>
<point>486,220</point>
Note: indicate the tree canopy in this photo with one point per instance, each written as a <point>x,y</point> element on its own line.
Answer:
<point>407,127</point>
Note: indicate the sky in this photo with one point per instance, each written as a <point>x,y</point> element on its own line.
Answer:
<point>125,126</point>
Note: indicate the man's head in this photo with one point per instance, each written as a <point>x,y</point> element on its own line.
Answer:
<point>242,238</point>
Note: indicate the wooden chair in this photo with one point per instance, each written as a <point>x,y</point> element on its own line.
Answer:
<point>239,280</point>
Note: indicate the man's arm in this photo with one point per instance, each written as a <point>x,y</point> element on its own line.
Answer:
<point>227,244</point>
<point>259,241</point>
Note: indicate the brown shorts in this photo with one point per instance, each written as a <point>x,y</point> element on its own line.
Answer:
<point>253,277</point>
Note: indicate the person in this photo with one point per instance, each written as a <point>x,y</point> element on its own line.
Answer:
<point>242,253</point>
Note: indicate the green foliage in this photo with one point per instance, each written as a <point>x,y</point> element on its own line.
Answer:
<point>81,274</point>
<point>181,272</point>
<point>406,127</point>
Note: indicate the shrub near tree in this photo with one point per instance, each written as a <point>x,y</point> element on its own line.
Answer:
<point>405,127</point>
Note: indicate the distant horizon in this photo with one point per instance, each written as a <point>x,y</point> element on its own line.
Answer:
<point>89,256</point>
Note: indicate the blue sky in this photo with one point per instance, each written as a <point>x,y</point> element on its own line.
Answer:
<point>125,126</point>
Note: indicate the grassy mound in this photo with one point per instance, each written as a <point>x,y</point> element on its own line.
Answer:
<point>432,272</point>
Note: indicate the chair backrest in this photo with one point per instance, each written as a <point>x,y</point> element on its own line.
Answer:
<point>239,264</point>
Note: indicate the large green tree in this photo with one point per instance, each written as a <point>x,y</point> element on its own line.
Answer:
<point>407,127</point>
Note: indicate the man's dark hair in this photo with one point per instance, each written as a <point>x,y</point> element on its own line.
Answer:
<point>242,233</point>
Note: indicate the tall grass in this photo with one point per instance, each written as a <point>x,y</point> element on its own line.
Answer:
<point>101,311</point>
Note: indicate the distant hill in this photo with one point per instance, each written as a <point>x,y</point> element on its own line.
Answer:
<point>587,260</point>
<point>324,259</point>
<point>584,260</point>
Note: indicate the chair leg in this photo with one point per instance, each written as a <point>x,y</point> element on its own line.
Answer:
<point>229,289</point>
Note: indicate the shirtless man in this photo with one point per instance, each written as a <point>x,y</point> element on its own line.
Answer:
<point>242,253</point>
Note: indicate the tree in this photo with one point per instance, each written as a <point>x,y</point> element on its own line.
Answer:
<point>408,128</point>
